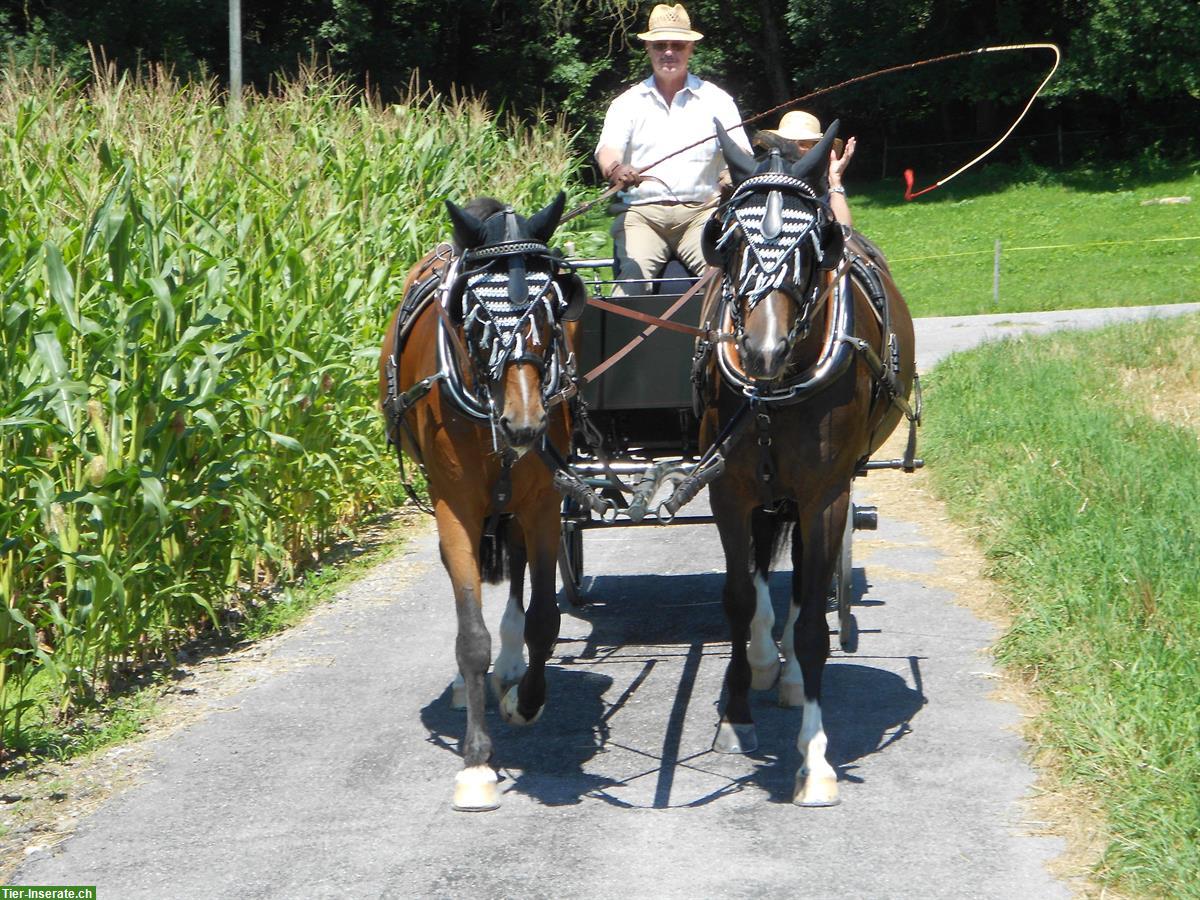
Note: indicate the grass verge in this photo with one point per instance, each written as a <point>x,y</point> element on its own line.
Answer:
<point>1075,460</point>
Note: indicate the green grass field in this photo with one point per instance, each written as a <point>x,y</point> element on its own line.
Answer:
<point>1075,461</point>
<point>1121,253</point>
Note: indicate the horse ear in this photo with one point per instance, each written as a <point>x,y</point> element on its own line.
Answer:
<point>814,165</point>
<point>542,224</point>
<point>468,230</point>
<point>741,164</point>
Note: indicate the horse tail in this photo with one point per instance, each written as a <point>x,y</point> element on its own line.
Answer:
<point>769,532</point>
<point>494,554</point>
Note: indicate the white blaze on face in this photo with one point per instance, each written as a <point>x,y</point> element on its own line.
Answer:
<point>776,329</point>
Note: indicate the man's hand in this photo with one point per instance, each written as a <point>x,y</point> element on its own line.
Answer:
<point>838,164</point>
<point>623,176</point>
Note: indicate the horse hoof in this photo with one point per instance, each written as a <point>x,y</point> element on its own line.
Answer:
<point>475,790</point>
<point>813,790</point>
<point>502,683</point>
<point>763,678</point>
<point>733,738</point>
<point>791,694</point>
<point>458,696</point>
<point>510,713</point>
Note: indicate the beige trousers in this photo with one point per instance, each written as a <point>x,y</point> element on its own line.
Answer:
<point>646,236</point>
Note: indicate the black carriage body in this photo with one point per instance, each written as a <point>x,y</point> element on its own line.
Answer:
<point>642,405</point>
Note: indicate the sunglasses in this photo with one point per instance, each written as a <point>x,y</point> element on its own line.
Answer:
<point>663,46</point>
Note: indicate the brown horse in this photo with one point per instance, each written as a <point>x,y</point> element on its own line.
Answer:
<point>469,373</point>
<point>815,376</point>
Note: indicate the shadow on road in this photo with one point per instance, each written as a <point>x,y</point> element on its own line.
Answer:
<point>649,622</point>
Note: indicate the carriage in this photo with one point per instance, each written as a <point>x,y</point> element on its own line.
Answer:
<point>642,418</point>
<point>800,367</point>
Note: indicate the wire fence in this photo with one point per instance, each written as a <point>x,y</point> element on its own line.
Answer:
<point>1070,273</point>
<point>997,249</point>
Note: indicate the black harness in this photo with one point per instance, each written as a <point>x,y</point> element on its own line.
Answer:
<point>498,295</point>
<point>776,234</point>
<point>776,217</point>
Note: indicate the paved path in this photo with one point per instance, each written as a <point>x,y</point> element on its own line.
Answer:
<point>331,774</point>
<point>939,335</point>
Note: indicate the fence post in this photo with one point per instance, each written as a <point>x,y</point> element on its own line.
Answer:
<point>996,276</point>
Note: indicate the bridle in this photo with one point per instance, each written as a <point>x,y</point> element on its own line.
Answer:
<point>508,301</point>
<point>761,236</point>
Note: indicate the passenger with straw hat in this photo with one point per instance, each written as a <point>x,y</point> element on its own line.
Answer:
<point>663,211</point>
<point>803,130</point>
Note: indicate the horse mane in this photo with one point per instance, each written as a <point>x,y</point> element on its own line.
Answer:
<point>765,141</point>
<point>483,207</point>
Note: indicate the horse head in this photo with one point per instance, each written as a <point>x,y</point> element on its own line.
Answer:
<point>511,296</point>
<point>774,237</point>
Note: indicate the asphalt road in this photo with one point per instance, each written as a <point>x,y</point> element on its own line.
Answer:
<point>330,774</point>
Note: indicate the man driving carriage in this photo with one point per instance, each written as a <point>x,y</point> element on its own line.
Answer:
<point>663,212</point>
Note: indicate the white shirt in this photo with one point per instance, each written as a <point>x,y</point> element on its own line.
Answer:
<point>643,129</point>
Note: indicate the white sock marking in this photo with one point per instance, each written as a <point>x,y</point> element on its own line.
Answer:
<point>812,743</point>
<point>510,663</point>
<point>762,651</point>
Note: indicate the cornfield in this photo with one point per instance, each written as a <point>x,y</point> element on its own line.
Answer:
<point>190,312</point>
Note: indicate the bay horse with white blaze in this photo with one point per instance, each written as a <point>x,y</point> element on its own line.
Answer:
<point>815,374</point>
<point>470,374</point>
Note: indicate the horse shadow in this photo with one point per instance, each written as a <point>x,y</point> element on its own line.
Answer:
<point>545,760</point>
<point>866,709</point>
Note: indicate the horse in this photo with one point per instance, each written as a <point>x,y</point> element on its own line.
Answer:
<point>814,373</point>
<point>470,374</point>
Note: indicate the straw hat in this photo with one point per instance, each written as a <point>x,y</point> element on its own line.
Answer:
<point>798,126</point>
<point>670,23</point>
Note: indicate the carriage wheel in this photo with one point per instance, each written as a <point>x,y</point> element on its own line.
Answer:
<point>570,561</point>
<point>843,578</point>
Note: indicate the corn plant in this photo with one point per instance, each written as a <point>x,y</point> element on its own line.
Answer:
<point>190,317</point>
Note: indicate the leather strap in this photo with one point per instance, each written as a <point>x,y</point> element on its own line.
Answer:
<point>674,308</point>
<point>609,306</point>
